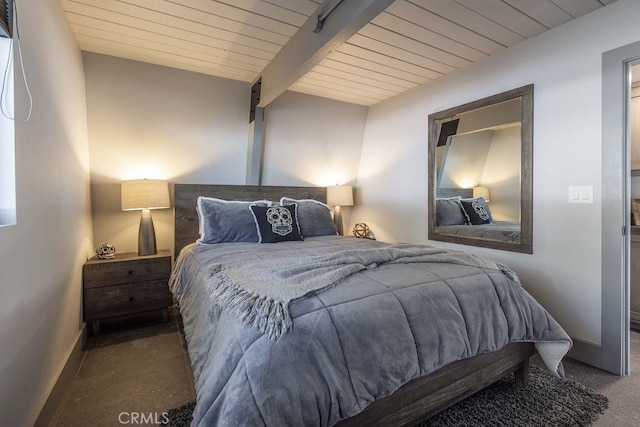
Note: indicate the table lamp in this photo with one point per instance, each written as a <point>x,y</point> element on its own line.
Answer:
<point>337,196</point>
<point>145,194</point>
<point>482,192</point>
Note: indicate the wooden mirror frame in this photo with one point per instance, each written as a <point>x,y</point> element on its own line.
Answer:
<point>526,171</point>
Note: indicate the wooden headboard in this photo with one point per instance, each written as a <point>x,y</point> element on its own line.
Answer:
<point>186,196</point>
<point>454,192</point>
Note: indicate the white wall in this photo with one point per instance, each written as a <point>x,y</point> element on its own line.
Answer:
<point>41,256</point>
<point>312,140</point>
<point>502,174</point>
<point>564,272</point>
<point>464,160</point>
<point>149,121</point>
<point>156,122</point>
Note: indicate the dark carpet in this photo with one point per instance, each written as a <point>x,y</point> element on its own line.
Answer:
<point>546,401</point>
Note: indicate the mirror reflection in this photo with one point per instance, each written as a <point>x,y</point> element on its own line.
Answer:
<point>479,194</point>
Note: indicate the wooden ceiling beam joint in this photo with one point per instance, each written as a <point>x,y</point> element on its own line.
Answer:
<point>307,49</point>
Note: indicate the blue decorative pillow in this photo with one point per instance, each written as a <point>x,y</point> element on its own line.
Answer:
<point>276,223</point>
<point>226,220</point>
<point>449,212</point>
<point>477,211</point>
<point>314,216</point>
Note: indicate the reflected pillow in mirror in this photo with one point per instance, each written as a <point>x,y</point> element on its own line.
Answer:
<point>477,211</point>
<point>449,212</point>
<point>226,220</point>
<point>314,216</point>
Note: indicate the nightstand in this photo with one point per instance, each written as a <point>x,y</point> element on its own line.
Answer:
<point>126,284</point>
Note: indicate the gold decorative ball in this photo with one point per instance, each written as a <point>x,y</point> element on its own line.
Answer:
<point>361,230</point>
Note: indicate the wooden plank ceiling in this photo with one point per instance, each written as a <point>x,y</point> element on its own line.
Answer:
<point>410,43</point>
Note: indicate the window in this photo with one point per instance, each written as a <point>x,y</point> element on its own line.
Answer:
<point>7,143</point>
<point>6,8</point>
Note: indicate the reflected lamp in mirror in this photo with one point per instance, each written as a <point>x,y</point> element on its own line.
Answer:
<point>337,196</point>
<point>144,195</point>
<point>482,192</point>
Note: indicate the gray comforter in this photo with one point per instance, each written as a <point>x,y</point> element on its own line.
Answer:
<point>350,344</point>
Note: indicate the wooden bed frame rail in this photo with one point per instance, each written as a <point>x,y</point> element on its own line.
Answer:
<point>425,396</point>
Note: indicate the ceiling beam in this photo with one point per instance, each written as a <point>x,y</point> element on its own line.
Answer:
<point>308,48</point>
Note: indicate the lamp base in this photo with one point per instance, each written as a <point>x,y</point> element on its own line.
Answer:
<point>146,235</point>
<point>337,219</point>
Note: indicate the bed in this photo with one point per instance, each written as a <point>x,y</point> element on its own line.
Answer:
<point>360,352</point>
<point>503,231</point>
<point>458,213</point>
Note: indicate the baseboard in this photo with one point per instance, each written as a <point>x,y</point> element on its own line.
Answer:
<point>66,374</point>
<point>586,352</point>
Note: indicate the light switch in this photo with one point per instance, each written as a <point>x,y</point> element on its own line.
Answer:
<point>581,194</point>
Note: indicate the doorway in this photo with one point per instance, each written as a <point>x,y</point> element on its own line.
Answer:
<point>634,150</point>
<point>613,353</point>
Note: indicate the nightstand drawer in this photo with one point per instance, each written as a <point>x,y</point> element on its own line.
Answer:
<point>124,299</point>
<point>107,273</point>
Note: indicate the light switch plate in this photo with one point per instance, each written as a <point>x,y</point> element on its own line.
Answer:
<point>581,194</point>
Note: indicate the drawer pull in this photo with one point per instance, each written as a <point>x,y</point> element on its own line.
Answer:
<point>131,299</point>
<point>130,272</point>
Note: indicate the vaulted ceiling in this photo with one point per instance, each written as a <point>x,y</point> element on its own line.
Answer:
<point>409,43</point>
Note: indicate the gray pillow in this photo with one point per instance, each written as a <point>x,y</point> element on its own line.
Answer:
<point>314,217</point>
<point>226,220</point>
<point>449,212</point>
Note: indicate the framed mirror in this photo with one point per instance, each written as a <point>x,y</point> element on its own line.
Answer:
<point>480,172</point>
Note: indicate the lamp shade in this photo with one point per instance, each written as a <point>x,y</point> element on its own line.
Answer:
<point>340,195</point>
<point>145,194</point>
<point>482,192</point>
